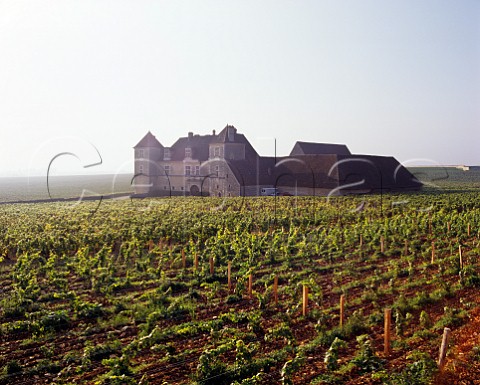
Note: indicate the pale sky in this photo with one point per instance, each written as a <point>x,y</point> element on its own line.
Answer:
<point>397,78</point>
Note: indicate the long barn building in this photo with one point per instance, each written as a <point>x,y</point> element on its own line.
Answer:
<point>226,164</point>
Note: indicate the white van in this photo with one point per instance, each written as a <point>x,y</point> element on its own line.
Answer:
<point>269,191</point>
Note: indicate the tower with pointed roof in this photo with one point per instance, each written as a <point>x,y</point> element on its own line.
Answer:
<point>148,152</point>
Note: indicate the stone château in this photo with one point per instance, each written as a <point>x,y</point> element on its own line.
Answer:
<point>226,164</point>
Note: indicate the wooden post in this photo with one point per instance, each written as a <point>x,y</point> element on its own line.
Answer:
<point>211,266</point>
<point>342,309</point>
<point>448,226</point>
<point>443,348</point>
<point>406,246</point>
<point>305,300</point>
<point>382,244</point>
<point>460,256</point>
<point>430,223</point>
<point>196,261</point>
<point>468,229</point>
<point>433,252</point>
<point>184,261</point>
<point>250,283</point>
<point>388,322</point>
<point>229,274</point>
<point>275,290</point>
<point>150,245</point>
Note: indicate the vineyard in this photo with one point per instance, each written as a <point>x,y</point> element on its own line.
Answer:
<point>275,290</point>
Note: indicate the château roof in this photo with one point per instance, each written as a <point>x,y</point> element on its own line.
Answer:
<point>348,172</point>
<point>198,143</point>
<point>309,148</point>
<point>149,140</point>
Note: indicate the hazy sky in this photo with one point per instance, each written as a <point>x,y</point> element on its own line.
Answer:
<point>397,78</point>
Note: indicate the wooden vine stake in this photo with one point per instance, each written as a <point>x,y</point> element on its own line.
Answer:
<point>195,262</point>
<point>250,283</point>
<point>342,309</point>
<point>460,256</point>
<point>443,348</point>
<point>382,244</point>
<point>184,261</point>
<point>150,245</point>
<point>275,290</point>
<point>211,266</point>
<point>433,252</point>
<point>448,227</point>
<point>388,322</point>
<point>468,229</point>
<point>229,275</point>
<point>305,300</point>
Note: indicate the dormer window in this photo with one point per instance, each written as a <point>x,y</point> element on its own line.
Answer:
<point>140,154</point>
<point>166,154</point>
<point>216,152</point>
<point>188,152</point>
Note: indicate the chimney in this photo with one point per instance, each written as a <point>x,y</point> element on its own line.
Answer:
<point>231,133</point>
<point>190,135</point>
<point>213,132</point>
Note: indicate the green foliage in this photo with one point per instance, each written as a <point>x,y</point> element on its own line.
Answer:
<point>365,359</point>
<point>98,352</point>
<point>211,369</point>
<point>12,367</point>
<point>68,275</point>
<point>418,372</point>
<point>280,332</point>
<point>331,357</point>
<point>452,317</point>
<point>46,366</point>
<point>425,320</point>
<point>120,371</point>
<point>289,368</point>
<point>88,309</point>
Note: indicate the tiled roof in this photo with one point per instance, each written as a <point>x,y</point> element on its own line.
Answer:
<point>376,173</point>
<point>309,148</point>
<point>198,143</point>
<point>149,140</point>
<point>223,136</point>
<point>326,171</point>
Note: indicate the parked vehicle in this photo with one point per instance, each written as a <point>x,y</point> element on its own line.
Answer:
<point>269,191</point>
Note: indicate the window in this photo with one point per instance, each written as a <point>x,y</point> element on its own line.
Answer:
<point>173,187</point>
<point>187,170</point>
<point>166,154</point>
<point>183,188</point>
<point>140,169</point>
<point>188,152</point>
<point>140,154</point>
<point>167,169</point>
<point>197,170</point>
<point>217,169</point>
<point>216,152</point>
